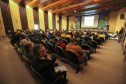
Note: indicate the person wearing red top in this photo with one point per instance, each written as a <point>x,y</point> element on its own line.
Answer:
<point>61,44</point>
<point>97,34</point>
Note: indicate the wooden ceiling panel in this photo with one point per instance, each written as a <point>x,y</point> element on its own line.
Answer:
<point>46,3</point>
<point>16,1</point>
<point>34,3</point>
<point>80,5</point>
<point>28,1</point>
<point>67,7</point>
<point>5,0</point>
<point>59,4</point>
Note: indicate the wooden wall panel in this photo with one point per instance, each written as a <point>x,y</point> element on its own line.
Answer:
<point>67,22</point>
<point>36,16</point>
<point>54,21</point>
<point>46,20</point>
<point>5,9</point>
<point>60,23</point>
<point>23,17</point>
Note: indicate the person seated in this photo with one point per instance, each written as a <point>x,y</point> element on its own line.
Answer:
<point>86,41</point>
<point>44,67</point>
<point>52,40</point>
<point>32,35</point>
<point>16,39</point>
<point>48,35</point>
<point>97,34</point>
<point>68,35</point>
<point>63,35</point>
<point>58,36</point>
<point>62,45</point>
<point>82,55</point>
<point>102,35</point>
<point>77,36</point>
<point>106,35</point>
<point>22,43</point>
<point>120,34</point>
<point>28,50</point>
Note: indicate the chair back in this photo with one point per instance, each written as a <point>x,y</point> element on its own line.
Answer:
<point>68,39</point>
<point>27,59</point>
<point>98,41</point>
<point>20,52</point>
<point>38,42</point>
<point>16,46</point>
<point>102,39</point>
<point>73,57</point>
<point>42,42</point>
<point>65,41</point>
<point>40,76</point>
<point>44,80</point>
<point>85,47</point>
<point>31,39</point>
<point>34,40</point>
<point>94,44</point>
<point>51,48</point>
<point>60,52</point>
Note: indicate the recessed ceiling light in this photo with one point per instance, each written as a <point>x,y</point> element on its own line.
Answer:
<point>75,11</point>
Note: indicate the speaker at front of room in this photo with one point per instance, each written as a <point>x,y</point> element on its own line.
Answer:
<point>121,16</point>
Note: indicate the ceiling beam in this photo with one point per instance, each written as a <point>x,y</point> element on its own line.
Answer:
<point>108,6</point>
<point>57,4</point>
<point>34,3</point>
<point>16,1</point>
<point>80,5</point>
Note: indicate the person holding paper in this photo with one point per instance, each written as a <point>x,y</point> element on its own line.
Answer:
<point>44,65</point>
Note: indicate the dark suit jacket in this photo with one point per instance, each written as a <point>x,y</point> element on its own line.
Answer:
<point>87,42</point>
<point>45,68</point>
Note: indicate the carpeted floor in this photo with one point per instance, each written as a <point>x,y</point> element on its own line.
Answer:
<point>105,67</point>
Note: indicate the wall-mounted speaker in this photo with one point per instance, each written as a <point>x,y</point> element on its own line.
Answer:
<point>121,16</point>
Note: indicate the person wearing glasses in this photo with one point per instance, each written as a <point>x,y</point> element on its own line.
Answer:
<point>44,65</point>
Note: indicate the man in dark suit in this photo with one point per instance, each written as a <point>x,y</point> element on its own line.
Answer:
<point>45,66</point>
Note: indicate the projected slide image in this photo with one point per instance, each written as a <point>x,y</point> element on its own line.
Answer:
<point>89,21</point>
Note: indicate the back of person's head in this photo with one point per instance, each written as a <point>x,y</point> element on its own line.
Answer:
<point>28,46</point>
<point>52,36</point>
<point>86,37</point>
<point>87,33</point>
<point>43,35</point>
<point>23,42</point>
<point>59,35</point>
<point>60,39</point>
<point>101,32</point>
<point>68,33</point>
<point>72,40</point>
<point>36,49</point>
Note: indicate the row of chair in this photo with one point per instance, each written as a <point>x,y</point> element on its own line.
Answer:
<point>24,58</point>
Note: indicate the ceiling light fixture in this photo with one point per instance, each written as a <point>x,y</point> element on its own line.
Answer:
<point>75,11</point>
<point>42,1</point>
